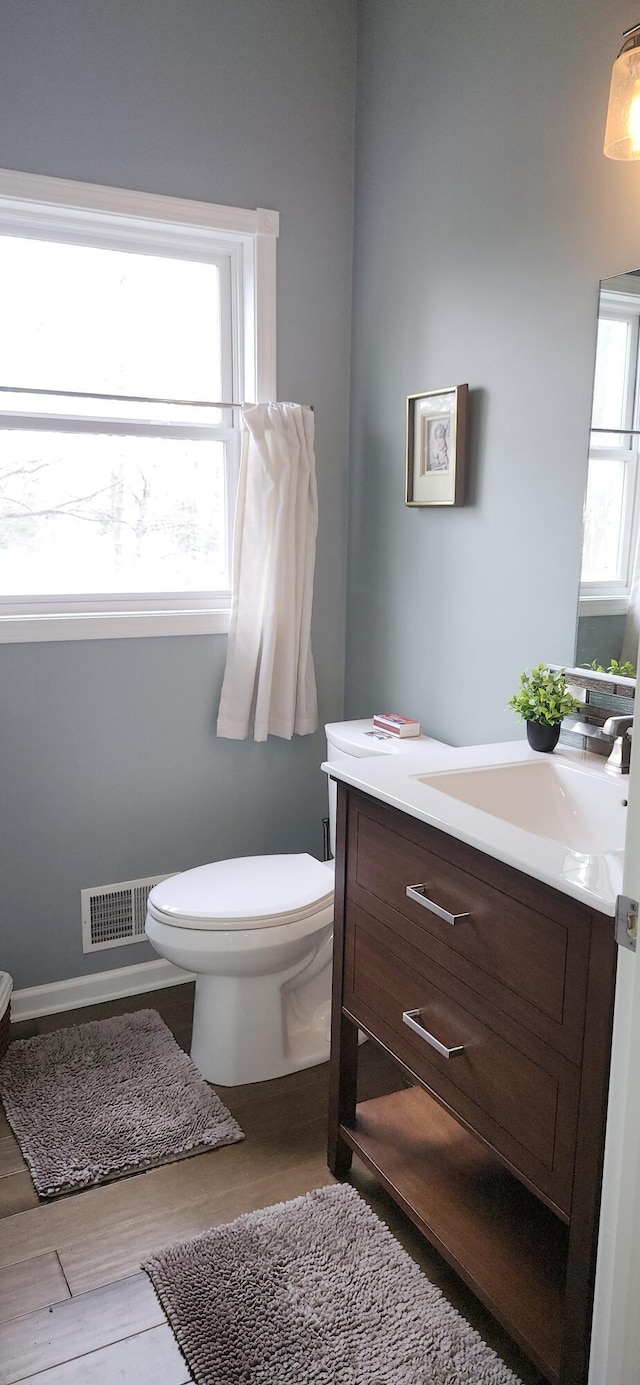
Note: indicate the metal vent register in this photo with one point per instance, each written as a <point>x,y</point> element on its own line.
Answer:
<point>113,915</point>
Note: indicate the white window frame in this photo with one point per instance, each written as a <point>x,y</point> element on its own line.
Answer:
<point>612,598</point>
<point>87,214</point>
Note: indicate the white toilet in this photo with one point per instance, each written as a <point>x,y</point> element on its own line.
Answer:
<point>257,933</point>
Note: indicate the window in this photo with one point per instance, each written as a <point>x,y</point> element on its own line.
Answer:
<point>127,321</point>
<point>611,508</point>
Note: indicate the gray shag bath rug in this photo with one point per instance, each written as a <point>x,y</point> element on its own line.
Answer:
<point>108,1098</point>
<point>314,1292</point>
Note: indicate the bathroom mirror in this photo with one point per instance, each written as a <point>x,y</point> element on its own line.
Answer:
<point>609,613</point>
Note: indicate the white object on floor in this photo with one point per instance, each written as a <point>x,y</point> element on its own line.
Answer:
<point>246,966</point>
<point>257,931</point>
<point>6,987</point>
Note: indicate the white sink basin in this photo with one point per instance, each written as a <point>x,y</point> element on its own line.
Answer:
<point>581,810</point>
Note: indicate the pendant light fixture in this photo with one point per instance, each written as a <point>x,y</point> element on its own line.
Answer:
<point>622,135</point>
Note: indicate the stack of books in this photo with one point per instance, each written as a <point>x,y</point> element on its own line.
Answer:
<point>395,725</point>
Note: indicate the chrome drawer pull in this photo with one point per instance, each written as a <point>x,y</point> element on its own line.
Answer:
<point>411,1018</point>
<point>419,895</point>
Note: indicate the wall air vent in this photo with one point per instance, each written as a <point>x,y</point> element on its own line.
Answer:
<point>113,915</point>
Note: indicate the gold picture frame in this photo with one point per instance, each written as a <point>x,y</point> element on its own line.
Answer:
<point>436,447</point>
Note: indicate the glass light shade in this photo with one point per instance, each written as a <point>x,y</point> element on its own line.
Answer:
<point>622,135</point>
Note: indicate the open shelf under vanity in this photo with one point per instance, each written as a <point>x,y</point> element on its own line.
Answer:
<point>500,1239</point>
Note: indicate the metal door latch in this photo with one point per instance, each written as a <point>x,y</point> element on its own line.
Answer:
<point>627,922</point>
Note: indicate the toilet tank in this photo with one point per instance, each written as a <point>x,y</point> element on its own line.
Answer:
<point>359,739</point>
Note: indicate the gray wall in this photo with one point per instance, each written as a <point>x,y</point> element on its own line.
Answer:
<point>486,215</point>
<point>599,638</point>
<point>109,765</point>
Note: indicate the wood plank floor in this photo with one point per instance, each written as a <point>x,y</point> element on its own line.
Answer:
<point>75,1309</point>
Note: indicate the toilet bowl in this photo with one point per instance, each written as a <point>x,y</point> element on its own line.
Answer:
<point>257,933</point>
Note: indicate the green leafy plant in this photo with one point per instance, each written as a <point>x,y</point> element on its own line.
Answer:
<point>543,696</point>
<point>627,670</point>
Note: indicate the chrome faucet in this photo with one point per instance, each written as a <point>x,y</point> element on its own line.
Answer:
<point>619,730</point>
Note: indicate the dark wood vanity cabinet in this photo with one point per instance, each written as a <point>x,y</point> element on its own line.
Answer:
<point>495,1150</point>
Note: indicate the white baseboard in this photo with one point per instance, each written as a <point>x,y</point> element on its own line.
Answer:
<point>79,991</point>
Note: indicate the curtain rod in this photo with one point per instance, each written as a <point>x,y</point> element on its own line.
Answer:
<point>633,432</point>
<point>127,398</point>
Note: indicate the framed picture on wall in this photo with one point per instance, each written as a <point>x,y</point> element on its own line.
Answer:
<point>436,447</point>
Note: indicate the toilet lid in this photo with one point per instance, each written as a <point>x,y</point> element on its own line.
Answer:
<point>246,892</point>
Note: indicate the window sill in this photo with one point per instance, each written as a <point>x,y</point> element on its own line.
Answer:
<point>603,606</point>
<point>121,625</point>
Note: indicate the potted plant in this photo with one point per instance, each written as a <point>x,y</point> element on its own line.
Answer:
<point>542,701</point>
<point>618,670</point>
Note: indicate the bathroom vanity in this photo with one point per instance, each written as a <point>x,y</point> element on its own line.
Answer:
<point>493,990</point>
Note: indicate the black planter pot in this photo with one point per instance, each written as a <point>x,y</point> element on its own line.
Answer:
<point>542,737</point>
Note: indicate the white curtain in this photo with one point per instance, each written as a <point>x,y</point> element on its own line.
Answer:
<point>269,683</point>
<point>632,623</point>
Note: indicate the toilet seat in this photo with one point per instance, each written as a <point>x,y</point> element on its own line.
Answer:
<point>246,892</point>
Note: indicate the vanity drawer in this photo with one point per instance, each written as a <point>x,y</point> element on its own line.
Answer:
<point>517,1093</point>
<point>518,943</point>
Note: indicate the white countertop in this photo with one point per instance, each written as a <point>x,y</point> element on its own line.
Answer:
<point>595,880</point>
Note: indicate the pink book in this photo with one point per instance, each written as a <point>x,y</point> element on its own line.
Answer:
<point>395,725</point>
